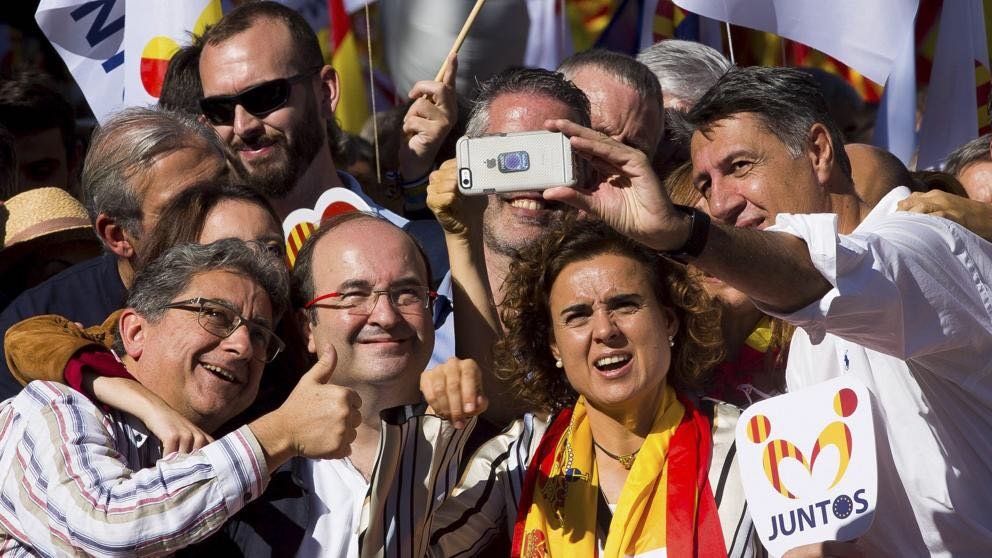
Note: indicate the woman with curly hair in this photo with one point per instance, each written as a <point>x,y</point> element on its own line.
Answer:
<point>608,342</point>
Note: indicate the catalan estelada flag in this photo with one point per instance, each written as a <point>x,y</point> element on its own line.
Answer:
<point>353,106</point>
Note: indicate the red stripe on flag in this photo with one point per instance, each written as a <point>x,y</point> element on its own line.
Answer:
<point>340,23</point>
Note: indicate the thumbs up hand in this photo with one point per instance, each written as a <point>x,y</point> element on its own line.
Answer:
<point>318,419</point>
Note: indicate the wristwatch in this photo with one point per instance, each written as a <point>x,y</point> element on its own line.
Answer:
<point>699,232</point>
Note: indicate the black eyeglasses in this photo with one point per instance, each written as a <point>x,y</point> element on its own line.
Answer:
<point>259,100</point>
<point>219,319</point>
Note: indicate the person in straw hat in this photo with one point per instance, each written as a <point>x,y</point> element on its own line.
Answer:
<point>45,230</point>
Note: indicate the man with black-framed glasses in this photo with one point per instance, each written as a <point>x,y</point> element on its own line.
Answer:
<point>196,333</point>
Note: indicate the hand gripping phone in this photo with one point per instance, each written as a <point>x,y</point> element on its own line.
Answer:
<point>514,162</point>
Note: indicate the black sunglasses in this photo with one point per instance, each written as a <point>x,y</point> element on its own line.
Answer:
<point>259,100</point>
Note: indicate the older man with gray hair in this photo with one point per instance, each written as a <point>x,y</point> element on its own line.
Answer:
<point>685,70</point>
<point>624,96</point>
<point>80,480</point>
<point>137,161</point>
<point>971,164</point>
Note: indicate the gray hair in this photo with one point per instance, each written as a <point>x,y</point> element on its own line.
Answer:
<point>125,147</point>
<point>975,151</point>
<point>163,279</point>
<point>685,69</point>
<point>534,81</point>
<point>619,66</point>
<point>786,101</point>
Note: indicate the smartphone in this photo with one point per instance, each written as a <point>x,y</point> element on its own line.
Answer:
<point>514,162</point>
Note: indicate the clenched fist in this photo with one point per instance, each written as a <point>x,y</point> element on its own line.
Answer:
<point>454,390</point>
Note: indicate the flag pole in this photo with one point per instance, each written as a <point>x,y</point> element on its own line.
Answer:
<point>461,37</point>
<point>375,121</point>
<point>730,44</point>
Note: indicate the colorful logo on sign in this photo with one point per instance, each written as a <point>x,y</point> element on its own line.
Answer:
<point>301,223</point>
<point>835,434</point>
<point>807,461</point>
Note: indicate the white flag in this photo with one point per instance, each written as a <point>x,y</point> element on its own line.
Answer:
<point>548,39</point>
<point>89,36</point>
<point>154,32</point>
<point>895,124</point>
<point>866,37</point>
<point>417,35</point>
<point>951,117</point>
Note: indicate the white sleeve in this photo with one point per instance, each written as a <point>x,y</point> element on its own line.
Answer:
<point>915,287</point>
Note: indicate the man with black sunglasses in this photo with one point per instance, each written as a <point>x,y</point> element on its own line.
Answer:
<point>76,479</point>
<point>270,96</point>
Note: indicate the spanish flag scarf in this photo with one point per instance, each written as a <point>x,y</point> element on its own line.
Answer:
<point>666,501</point>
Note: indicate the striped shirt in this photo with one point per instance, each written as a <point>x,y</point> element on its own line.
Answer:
<point>479,516</point>
<point>416,468</point>
<point>75,480</point>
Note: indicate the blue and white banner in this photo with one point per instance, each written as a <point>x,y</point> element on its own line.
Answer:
<point>89,36</point>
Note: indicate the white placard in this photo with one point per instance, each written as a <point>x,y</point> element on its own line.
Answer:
<point>809,465</point>
<point>300,223</point>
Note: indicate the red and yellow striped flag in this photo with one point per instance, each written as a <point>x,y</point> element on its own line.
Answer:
<point>353,106</point>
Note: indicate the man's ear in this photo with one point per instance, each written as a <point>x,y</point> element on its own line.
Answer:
<point>330,93</point>
<point>821,152</point>
<point>303,319</point>
<point>114,237</point>
<point>131,328</point>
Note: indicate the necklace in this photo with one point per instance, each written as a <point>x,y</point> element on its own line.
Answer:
<point>626,461</point>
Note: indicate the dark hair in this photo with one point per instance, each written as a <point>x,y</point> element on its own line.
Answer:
<point>8,165</point>
<point>304,289</point>
<point>535,81</point>
<point>181,86</point>
<point>523,356</point>
<point>621,67</point>
<point>786,101</point>
<point>974,151</point>
<point>182,220</point>
<point>925,181</point>
<point>240,19</point>
<point>30,102</point>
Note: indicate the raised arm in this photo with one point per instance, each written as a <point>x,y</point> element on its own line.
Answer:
<point>772,268</point>
<point>477,326</point>
<point>427,123</point>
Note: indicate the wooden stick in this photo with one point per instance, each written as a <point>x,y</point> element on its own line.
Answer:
<point>461,37</point>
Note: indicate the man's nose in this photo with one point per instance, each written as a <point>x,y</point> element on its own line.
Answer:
<point>725,201</point>
<point>246,124</point>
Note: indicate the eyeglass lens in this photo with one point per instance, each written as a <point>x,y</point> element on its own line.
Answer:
<point>407,300</point>
<point>222,322</point>
<point>259,100</point>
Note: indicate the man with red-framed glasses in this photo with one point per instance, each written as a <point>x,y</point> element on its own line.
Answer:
<point>362,285</point>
